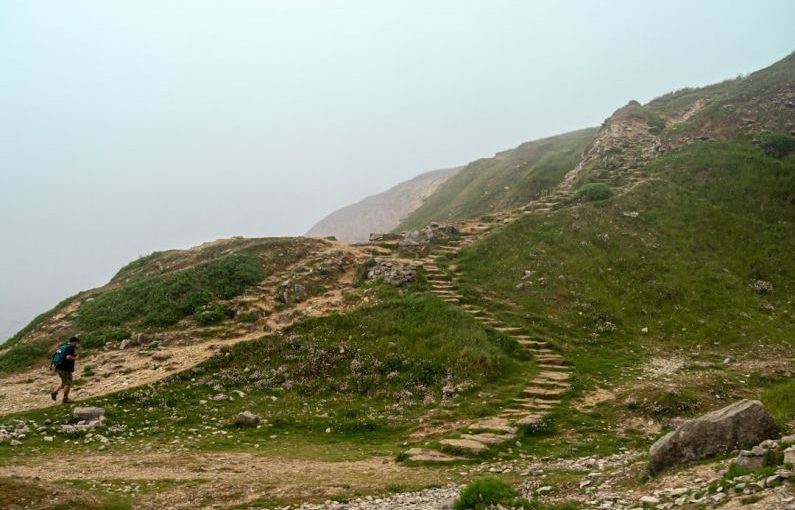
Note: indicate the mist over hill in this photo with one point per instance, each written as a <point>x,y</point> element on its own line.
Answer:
<point>382,212</point>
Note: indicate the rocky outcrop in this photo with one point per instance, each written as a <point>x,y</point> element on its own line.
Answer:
<point>382,212</point>
<point>391,272</point>
<point>739,425</point>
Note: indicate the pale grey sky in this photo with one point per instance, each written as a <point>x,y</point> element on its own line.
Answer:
<point>129,127</point>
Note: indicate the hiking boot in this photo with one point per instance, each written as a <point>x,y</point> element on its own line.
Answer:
<point>68,401</point>
<point>54,395</point>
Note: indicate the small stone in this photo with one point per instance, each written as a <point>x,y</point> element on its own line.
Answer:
<point>246,419</point>
<point>88,413</point>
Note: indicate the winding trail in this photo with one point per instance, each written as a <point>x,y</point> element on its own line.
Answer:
<point>528,409</point>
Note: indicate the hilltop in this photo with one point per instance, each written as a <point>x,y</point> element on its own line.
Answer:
<point>382,212</point>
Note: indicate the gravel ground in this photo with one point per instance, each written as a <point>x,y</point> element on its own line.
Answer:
<point>429,499</point>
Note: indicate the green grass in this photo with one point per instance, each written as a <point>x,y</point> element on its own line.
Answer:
<point>512,178</point>
<point>163,300</point>
<point>594,191</point>
<point>159,291</point>
<point>365,376</point>
<point>779,399</point>
<point>24,356</point>
<point>675,256</point>
<point>20,493</point>
<point>718,217</point>
<point>487,492</point>
<point>728,104</point>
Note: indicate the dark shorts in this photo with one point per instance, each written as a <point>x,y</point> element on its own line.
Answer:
<point>66,377</point>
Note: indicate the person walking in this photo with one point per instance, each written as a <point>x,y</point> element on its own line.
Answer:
<point>64,363</point>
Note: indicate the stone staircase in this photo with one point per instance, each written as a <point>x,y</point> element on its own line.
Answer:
<point>541,394</point>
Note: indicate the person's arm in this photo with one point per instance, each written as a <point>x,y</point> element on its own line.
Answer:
<point>71,356</point>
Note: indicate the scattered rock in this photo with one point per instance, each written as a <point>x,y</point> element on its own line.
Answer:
<point>789,455</point>
<point>391,272</point>
<point>89,414</point>
<point>761,286</point>
<point>246,419</point>
<point>752,459</point>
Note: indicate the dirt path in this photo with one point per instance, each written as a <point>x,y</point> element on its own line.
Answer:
<point>121,369</point>
<point>231,478</point>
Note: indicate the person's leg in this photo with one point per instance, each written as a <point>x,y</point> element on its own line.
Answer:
<point>54,393</point>
<point>67,385</point>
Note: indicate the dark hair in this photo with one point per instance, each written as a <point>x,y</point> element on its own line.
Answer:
<point>74,339</point>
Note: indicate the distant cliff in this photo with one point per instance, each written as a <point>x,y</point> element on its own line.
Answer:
<point>382,212</point>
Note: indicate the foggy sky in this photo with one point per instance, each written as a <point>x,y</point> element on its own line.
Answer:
<point>129,127</point>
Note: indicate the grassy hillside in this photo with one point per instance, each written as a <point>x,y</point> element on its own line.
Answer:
<point>736,108</point>
<point>511,178</point>
<point>360,379</point>
<point>171,290</point>
<point>671,268</point>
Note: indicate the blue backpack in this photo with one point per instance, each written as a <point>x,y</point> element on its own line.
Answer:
<point>58,357</point>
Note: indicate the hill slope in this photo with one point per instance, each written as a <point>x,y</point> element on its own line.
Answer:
<point>226,288</point>
<point>382,212</point>
<point>509,179</point>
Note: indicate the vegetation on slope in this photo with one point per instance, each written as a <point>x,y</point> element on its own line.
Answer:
<point>509,179</point>
<point>156,292</point>
<point>735,108</point>
<point>367,376</point>
<point>697,259</point>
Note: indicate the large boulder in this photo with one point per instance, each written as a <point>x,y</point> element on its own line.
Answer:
<point>740,425</point>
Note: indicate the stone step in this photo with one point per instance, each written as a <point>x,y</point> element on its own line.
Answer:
<point>551,384</point>
<point>489,438</point>
<point>463,446</point>
<point>530,419</point>
<point>538,391</point>
<point>427,455</point>
<point>549,367</point>
<point>541,351</point>
<point>492,425</point>
<point>553,375</point>
<point>535,400</point>
<point>533,344</point>
<point>547,359</point>
<point>532,407</point>
<point>509,329</point>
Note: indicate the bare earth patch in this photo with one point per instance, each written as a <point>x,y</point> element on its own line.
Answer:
<point>231,478</point>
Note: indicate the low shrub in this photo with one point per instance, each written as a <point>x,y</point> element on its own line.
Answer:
<point>163,300</point>
<point>23,356</point>
<point>485,492</point>
<point>594,192</point>
<point>361,272</point>
<point>777,145</point>
<point>208,316</point>
<point>98,338</point>
<point>489,491</point>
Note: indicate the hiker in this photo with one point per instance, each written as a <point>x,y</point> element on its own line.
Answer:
<point>64,363</point>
